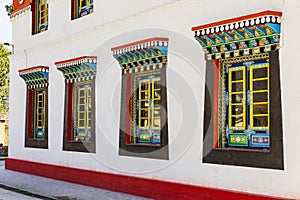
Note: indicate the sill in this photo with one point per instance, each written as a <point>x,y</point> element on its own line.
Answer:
<point>243,149</point>
<point>144,144</point>
<point>36,139</point>
<point>79,141</point>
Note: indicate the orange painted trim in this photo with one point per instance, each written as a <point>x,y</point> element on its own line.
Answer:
<point>32,68</point>
<point>140,42</point>
<point>150,188</point>
<point>75,59</point>
<point>215,104</point>
<point>237,19</point>
<point>18,6</point>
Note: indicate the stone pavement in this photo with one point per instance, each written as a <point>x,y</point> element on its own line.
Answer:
<point>20,186</point>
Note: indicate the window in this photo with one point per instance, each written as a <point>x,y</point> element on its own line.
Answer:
<point>143,121</point>
<point>245,90</point>
<point>40,16</point>
<point>242,111</point>
<point>36,129</point>
<point>79,119</point>
<point>81,8</point>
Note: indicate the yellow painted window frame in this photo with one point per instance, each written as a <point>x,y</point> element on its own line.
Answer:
<point>252,80</point>
<point>79,112</point>
<point>154,107</point>
<point>230,70</point>
<point>41,11</point>
<point>88,3</point>
<point>147,99</point>
<point>42,109</point>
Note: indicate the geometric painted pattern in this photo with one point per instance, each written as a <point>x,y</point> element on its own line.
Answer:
<point>35,77</point>
<point>242,36</point>
<point>142,55</point>
<point>78,69</point>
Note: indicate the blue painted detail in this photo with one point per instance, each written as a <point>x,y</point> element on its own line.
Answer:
<point>251,32</point>
<point>261,30</point>
<point>156,137</point>
<point>275,27</point>
<point>240,34</point>
<point>229,36</point>
<point>40,133</point>
<point>260,140</point>
<point>211,39</point>
<point>163,49</point>
<point>147,52</point>
<point>220,37</point>
<point>202,41</point>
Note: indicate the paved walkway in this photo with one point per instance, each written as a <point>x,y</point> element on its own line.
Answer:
<point>15,186</point>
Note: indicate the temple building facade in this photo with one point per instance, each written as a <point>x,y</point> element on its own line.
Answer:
<point>166,99</point>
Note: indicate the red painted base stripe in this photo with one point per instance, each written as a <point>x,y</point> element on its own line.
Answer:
<point>127,184</point>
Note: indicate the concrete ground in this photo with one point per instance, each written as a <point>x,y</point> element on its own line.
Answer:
<point>20,186</point>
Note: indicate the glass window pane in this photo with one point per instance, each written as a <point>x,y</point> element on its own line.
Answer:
<point>81,115</point>
<point>156,123</point>
<point>144,104</point>
<point>260,85</point>
<point>237,121</point>
<point>237,75</point>
<point>144,123</point>
<point>260,109</point>
<point>260,73</point>
<point>144,95</point>
<point>81,123</point>
<point>157,103</point>
<point>237,98</point>
<point>81,101</point>
<point>144,113</point>
<point>144,86</point>
<point>260,97</point>
<point>82,108</point>
<point>157,94</point>
<point>81,92</point>
<point>237,87</point>
<point>236,110</point>
<point>260,121</point>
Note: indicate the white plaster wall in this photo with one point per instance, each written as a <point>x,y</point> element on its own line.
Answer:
<point>113,25</point>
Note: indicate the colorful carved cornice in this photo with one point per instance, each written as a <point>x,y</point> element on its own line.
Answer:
<point>142,55</point>
<point>35,77</point>
<point>241,36</point>
<point>78,69</point>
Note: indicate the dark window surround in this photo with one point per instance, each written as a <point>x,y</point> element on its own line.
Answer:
<point>145,151</point>
<point>75,10</point>
<point>34,22</point>
<point>29,132</point>
<point>68,143</point>
<point>259,159</point>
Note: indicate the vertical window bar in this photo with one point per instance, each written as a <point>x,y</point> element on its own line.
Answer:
<point>237,95</point>
<point>259,90</point>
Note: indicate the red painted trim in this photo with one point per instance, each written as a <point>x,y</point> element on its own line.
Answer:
<point>215,104</point>
<point>128,107</point>
<point>127,184</point>
<point>70,111</point>
<point>18,6</point>
<point>33,14</point>
<point>75,59</point>
<point>29,113</point>
<point>236,19</point>
<point>139,42</point>
<point>32,68</point>
<point>73,9</point>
